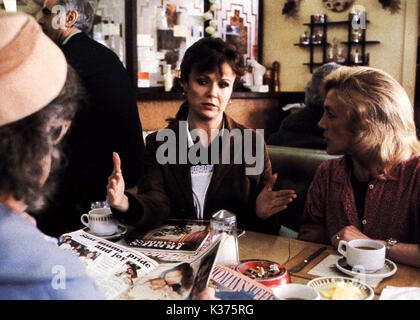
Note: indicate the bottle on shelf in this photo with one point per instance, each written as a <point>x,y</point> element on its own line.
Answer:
<point>168,78</point>
<point>276,79</point>
<point>356,35</point>
<point>355,57</point>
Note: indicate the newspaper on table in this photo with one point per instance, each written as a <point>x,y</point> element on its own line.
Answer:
<point>121,272</point>
<point>232,285</point>
<point>175,236</point>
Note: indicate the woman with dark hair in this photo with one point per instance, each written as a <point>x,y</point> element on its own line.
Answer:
<point>211,170</point>
<point>34,116</point>
<point>373,191</point>
<point>179,278</point>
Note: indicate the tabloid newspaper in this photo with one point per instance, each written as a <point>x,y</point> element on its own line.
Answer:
<point>121,272</point>
<point>175,236</point>
<point>125,273</point>
<point>232,285</point>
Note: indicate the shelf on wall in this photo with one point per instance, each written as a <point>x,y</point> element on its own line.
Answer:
<point>324,44</point>
<point>330,23</point>
<point>361,42</point>
<point>313,44</point>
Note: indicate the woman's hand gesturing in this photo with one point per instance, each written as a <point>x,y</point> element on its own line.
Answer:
<point>116,187</point>
<point>270,202</point>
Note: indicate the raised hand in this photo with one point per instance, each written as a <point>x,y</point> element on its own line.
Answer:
<point>270,202</point>
<point>116,186</point>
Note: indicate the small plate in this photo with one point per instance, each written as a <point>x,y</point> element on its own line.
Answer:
<point>325,284</point>
<point>120,232</point>
<point>388,270</point>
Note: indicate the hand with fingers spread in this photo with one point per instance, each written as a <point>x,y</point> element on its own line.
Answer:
<point>116,187</point>
<point>270,202</point>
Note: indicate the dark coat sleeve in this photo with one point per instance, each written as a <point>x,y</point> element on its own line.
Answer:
<point>150,206</point>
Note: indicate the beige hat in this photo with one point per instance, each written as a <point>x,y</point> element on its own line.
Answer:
<point>33,70</point>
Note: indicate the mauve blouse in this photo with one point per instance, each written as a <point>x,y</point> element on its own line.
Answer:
<point>392,207</point>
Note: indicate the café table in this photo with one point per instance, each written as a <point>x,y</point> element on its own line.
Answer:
<point>290,252</point>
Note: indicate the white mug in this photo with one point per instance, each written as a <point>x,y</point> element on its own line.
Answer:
<point>363,254</point>
<point>100,221</point>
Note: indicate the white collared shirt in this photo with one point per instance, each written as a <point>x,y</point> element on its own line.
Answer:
<point>200,180</point>
<point>68,38</point>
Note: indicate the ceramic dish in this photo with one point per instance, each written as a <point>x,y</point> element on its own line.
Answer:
<point>388,270</point>
<point>271,282</point>
<point>120,232</point>
<point>326,283</point>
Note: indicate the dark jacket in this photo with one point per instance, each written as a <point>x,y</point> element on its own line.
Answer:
<point>166,190</point>
<point>108,121</point>
<point>300,130</point>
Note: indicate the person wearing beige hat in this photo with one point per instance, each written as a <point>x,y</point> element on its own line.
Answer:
<point>108,121</point>
<point>38,98</point>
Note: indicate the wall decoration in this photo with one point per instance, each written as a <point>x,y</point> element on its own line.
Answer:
<point>238,24</point>
<point>211,29</point>
<point>337,5</point>
<point>165,29</point>
<point>291,8</point>
<point>392,5</point>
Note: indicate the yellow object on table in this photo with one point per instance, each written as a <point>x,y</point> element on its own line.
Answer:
<point>341,291</point>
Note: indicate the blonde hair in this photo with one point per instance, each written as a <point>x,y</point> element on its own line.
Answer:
<point>379,114</point>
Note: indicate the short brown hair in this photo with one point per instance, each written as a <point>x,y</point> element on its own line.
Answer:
<point>380,116</point>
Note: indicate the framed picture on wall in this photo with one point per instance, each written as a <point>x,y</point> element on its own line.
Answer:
<point>165,29</point>
<point>162,31</point>
<point>239,23</point>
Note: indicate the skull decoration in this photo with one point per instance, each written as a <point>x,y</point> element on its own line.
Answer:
<point>337,5</point>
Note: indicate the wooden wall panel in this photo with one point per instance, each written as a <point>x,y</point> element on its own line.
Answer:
<point>253,113</point>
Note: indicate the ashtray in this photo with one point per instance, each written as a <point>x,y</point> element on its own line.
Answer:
<point>268,273</point>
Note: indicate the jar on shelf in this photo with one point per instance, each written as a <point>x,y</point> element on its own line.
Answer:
<point>319,37</point>
<point>319,18</point>
<point>356,35</point>
<point>304,38</point>
<point>340,57</point>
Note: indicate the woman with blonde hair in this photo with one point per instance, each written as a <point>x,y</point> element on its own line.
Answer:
<point>373,191</point>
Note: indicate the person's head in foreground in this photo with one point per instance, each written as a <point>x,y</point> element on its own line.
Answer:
<point>368,116</point>
<point>38,99</point>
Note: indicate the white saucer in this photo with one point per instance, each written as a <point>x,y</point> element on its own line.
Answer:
<point>388,270</point>
<point>120,232</point>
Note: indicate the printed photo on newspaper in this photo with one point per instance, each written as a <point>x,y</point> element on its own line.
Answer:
<point>121,272</point>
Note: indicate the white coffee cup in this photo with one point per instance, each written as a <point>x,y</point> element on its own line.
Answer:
<point>100,221</point>
<point>295,291</point>
<point>363,254</point>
